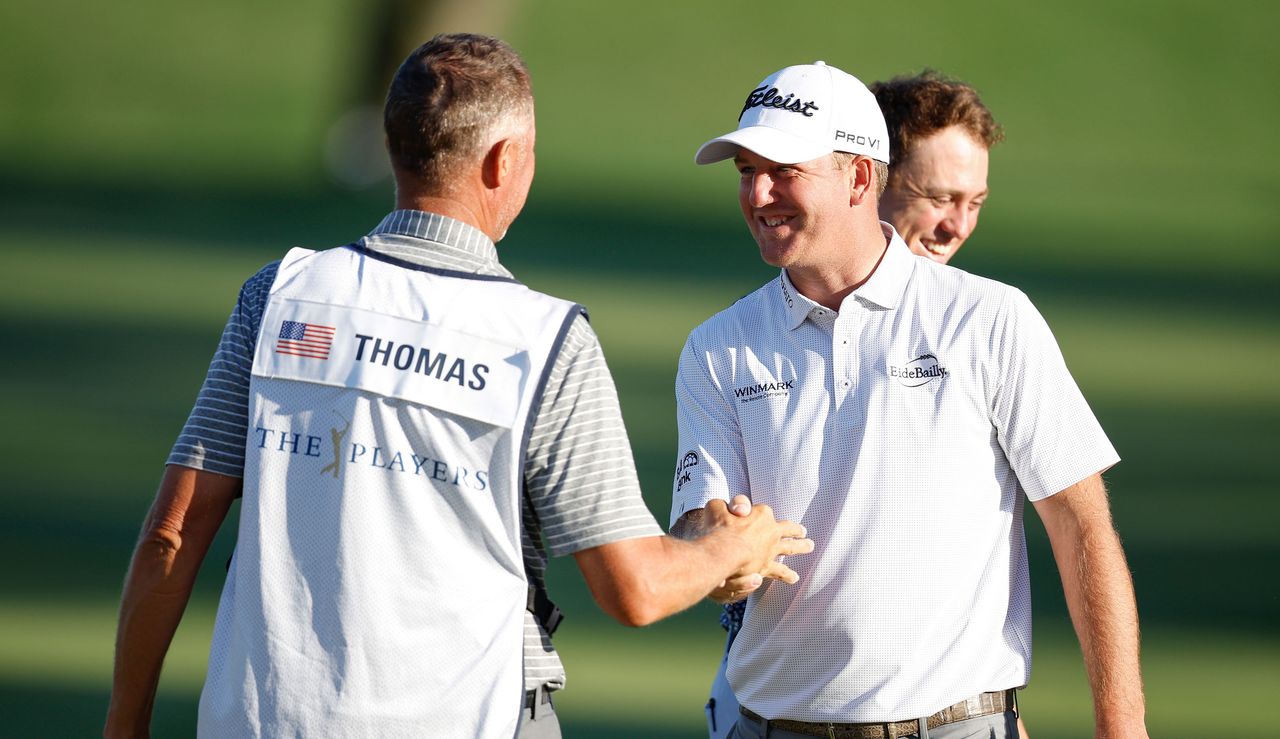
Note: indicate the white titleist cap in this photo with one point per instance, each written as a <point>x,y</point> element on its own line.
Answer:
<point>804,112</point>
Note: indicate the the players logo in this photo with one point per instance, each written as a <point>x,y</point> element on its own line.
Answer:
<point>351,452</point>
<point>683,470</point>
<point>922,370</point>
<point>336,465</point>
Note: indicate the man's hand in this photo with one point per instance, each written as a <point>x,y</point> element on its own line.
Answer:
<point>750,577</point>
<point>639,581</point>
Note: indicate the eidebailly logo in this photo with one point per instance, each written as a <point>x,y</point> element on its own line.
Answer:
<point>922,370</point>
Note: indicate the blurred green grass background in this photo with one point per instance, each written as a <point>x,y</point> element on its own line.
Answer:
<point>153,155</point>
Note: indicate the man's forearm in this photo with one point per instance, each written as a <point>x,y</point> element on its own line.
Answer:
<point>150,611</point>
<point>1100,597</point>
<point>639,581</point>
<point>188,510</point>
<point>689,526</point>
<point>664,576</point>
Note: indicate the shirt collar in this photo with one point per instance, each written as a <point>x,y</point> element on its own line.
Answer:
<point>796,305</point>
<point>888,282</point>
<point>439,229</point>
<point>884,287</point>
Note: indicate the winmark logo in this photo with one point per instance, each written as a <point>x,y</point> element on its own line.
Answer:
<point>748,393</point>
<point>920,371</point>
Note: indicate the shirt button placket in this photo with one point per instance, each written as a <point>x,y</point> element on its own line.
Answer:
<point>829,321</point>
<point>846,350</point>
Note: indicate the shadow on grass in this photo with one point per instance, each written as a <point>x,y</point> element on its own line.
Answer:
<point>62,712</point>
<point>59,712</point>
<point>573,729</point>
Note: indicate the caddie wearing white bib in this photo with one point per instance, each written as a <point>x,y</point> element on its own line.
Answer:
<point>414,433</point>
<point>814,395</point>
<point>378,477</point>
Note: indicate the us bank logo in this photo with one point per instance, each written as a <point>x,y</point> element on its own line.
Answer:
<point>922,370</point>
<point>342,455</point>
<point>684,470</point>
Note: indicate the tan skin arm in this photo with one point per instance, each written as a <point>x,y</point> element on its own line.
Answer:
<point>640,581</point>
<point>741,583</point>
<point>1099,593</point>
<point>189,507</point>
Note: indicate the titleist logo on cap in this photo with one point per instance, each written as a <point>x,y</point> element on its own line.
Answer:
<point>768,97</point>
<point>829,104</point>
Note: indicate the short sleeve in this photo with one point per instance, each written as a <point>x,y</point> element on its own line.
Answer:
<point>580,473</point>
<point>1046,428</point>
<point>213,438</point>
<point>710,461</point>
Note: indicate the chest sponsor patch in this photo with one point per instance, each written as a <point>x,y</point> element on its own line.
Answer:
<point>761,390</point>
<point>922,370</point>
<point>394,357</point>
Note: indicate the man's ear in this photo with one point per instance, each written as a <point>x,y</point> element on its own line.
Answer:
<point>499,163</point>
<point>861,175</point>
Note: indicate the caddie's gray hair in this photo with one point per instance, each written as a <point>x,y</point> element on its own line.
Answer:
<point>451,98</point>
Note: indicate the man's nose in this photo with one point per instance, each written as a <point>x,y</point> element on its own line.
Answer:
<point>761,193</point>
<point>960,222</point>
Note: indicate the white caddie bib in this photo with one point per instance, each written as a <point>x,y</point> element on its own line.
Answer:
<point>434,365</point>
<point>378,584</point>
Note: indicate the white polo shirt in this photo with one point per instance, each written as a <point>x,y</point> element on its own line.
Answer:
<point>903,432</point>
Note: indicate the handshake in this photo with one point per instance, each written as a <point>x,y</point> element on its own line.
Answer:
<point>752,537</point>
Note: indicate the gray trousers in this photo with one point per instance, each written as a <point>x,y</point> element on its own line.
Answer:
<point>540,722</point>
<point>996,726</point>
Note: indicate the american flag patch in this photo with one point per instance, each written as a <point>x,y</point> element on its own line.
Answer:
<point>305,339</point>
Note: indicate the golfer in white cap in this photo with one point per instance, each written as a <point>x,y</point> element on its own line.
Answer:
<point>814,393</point>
